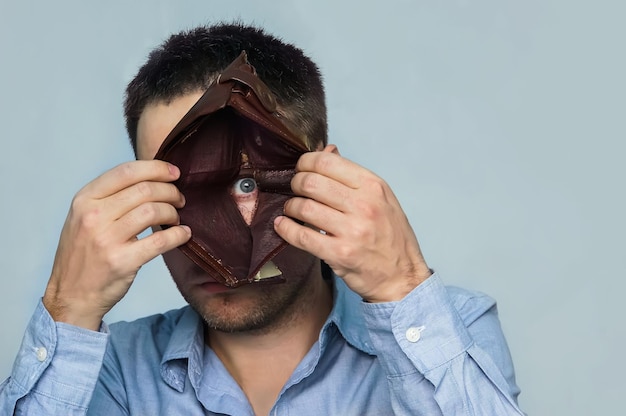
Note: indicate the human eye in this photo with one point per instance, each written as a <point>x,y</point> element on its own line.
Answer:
<point>245,192</point>
<point>244,187</point>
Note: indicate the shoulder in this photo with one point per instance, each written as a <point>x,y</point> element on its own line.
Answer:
<point>161,321</point>
<point>171,317</point>
<point>155,330</point>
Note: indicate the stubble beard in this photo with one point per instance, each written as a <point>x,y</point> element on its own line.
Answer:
<point>266,307</point>
<point>254,307</point>
<point>272,307</point>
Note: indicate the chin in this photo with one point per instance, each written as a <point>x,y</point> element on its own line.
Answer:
<point>251,307</point>
<point>248,308</point>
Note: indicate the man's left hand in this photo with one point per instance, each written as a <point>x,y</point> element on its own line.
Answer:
<point>366,238</point>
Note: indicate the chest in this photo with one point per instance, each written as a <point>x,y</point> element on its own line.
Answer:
<point>344,381</point>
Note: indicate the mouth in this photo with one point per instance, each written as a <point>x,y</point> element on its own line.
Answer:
<point>213,287</point>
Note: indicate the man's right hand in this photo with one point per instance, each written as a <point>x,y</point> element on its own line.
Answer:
<point>99,254</point>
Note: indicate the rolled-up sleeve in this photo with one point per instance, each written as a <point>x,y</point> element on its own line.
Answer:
<point>56,368</point>
<point>449,339</point>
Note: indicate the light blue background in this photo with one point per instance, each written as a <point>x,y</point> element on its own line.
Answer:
<point>499,124</point>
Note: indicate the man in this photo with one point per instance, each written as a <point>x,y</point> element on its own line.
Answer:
<point>380,335</point>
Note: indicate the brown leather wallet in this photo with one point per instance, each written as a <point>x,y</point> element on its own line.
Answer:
<point>234,131</point>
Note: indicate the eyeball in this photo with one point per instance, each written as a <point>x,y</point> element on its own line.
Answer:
<point>244,186</point>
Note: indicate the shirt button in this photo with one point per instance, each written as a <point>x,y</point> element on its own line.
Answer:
<point>42,353</point>
<point>414,333</point>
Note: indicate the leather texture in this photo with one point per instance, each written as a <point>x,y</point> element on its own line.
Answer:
<point>234,131</point>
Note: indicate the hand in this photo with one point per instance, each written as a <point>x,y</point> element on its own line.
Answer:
<point>366,238</point>
<point>99,254</point>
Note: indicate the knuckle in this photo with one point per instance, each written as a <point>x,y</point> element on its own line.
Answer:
<point>144,189</point>
<point>322,162</point>
<point>148,211</point>
<point>101,242</point>
<point>176,196</point>
<point>344,253</point>
<point>159,241</point>
<point>309,183</point>
<point>126,170</point>
<point>116,262</point>
<point>308,208</point>
<point>111,259</point>
<point>79,204</point>
<point>367,210</point>
<point>360,232</point>
<point>167,213</point>
<point>377,186</point>
<point>303,238</point>
<point>173,191</point>
<point>78,201</point>
<point>303,161</point>
<point>88,219</point>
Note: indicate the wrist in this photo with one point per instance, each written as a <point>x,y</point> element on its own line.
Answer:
<point>398,289</point>
<point>61,311</point>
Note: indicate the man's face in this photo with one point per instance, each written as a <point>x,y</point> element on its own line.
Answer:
<point>250,307</point>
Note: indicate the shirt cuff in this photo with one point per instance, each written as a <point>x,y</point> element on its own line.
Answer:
<point>419,333</point>
<point>58,360</point>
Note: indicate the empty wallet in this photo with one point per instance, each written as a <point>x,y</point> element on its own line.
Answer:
<point>234,131</point>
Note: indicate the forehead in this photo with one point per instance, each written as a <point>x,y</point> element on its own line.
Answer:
<point>158,119</point>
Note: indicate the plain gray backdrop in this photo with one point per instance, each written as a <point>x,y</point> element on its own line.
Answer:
<point>499,124</point>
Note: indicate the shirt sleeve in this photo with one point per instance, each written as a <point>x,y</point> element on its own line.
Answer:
<point>450,338</point>
<point>56,368</point>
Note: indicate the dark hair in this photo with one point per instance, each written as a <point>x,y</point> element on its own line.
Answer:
<point>191,60</point>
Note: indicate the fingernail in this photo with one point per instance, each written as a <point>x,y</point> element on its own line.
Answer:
<point>174,171</point>
<point>278,220</point>
<point>186,228</point>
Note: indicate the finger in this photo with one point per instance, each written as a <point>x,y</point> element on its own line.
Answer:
<point>322,188</point>
<point>142,217</point>
<point>129,198</point>
<point>130,173</point>
<point>157,243</point>
<point>302,237</point>
<point>333,166</point>
<point>315,214</point>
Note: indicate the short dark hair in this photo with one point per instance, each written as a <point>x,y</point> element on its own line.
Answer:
<point>191,60</point>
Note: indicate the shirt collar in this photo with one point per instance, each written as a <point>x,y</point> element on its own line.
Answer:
<point>185,349</point>
<point>347,314</point>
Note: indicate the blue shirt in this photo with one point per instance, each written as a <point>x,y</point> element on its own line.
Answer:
<point>439,351</point>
